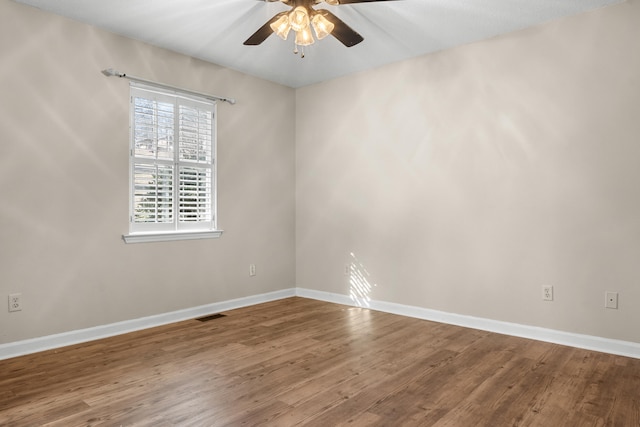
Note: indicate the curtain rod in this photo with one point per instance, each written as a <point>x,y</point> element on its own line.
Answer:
<point>110,72</point>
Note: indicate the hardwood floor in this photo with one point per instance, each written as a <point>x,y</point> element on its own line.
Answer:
<point>304,362</point>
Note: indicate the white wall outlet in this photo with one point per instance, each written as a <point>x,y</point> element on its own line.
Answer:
<point>611,300</point>
<point>547,293</point>
<point>15,302</point>
<point>252,269</point>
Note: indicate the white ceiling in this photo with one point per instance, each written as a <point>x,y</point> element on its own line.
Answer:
<point>214,30</point>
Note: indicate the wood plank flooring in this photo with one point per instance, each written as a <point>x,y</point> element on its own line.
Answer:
<point>304,362</point>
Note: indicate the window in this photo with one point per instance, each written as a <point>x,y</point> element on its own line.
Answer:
<point>172,166</point>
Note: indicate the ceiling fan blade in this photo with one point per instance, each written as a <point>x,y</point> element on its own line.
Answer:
<point>287,2</point>
<point>263,32</point>
<point>344,33</point>
<point>359,1</point>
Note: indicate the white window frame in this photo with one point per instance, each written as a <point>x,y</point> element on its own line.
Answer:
<point>176,229</point>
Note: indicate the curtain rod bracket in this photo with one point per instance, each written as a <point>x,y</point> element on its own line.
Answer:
<point>110,72</point>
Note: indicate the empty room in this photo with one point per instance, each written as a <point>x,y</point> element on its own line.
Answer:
<point>320,212</point>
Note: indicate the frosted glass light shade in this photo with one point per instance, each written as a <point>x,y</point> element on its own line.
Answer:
<point>299,18</point>
<point>281,27</point>
<point>322,26</point>
<point>304,36</point>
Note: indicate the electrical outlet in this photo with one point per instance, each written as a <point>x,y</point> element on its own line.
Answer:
<point>15,302</point>
<point>611,300</point>
<point>252,269</point>
<point>547,293</point>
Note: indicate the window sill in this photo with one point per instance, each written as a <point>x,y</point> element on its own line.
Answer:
<point>172,236</point>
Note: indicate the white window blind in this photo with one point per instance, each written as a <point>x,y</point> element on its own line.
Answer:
<point>172,163</point>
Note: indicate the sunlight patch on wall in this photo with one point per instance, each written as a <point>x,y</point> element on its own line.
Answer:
<point>360,285</point>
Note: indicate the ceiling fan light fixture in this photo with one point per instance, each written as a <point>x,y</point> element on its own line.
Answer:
<point>322,26</point>
<point>304,20</point>
<point>282,27</point>
<point>299,18</point>
<point>304,36</point>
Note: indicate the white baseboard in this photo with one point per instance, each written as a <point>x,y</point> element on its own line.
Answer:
<point>588,342</point>
<point>34,345</point>
<point>605,345</point>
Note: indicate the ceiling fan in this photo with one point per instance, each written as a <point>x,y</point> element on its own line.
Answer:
<point>302,17</point>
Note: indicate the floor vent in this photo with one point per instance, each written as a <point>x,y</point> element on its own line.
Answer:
<point>211,317</point>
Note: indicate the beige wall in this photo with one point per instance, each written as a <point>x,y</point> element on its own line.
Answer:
<point>465,180</point>
<point>64,182</point>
